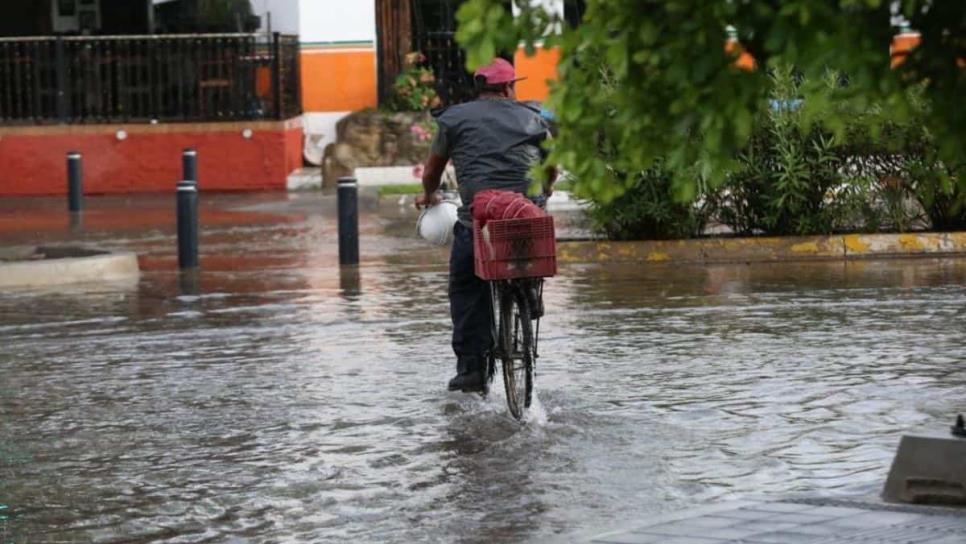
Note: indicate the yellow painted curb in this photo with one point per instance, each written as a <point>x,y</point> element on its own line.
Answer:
<point>771,249</point>
<point>926,243</point>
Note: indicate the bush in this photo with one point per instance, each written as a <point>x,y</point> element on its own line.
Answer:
<point>413,89</point>
<point>939,193</point>
<point>648,210</point>
<point>914,188</point>
<point>818,162</point>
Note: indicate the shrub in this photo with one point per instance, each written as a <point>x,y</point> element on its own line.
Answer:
<point>818,161</point>
<point>913,187</point>
<point>939,193</point>
<point>414,89</point>
<point>648,210</point>
<point>786,178</point>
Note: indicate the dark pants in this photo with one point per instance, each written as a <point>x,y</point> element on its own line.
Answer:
<point>469,299</point>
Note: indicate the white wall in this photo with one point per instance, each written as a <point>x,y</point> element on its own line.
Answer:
<point>552,6</point>
<point>285,15</point>
<point>337,20</point>
<point>320,128</point>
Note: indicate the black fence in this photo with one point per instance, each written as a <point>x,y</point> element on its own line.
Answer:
<point>165,78</point>
<point>448,61</point>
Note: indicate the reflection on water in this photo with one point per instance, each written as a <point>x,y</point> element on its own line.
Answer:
<point>286,400</point>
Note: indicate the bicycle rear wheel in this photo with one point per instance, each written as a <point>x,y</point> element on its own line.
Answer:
<point>515,336</point>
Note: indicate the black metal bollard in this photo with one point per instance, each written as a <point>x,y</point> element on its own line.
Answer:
<point>75,183</point>
<point>350,282</point>
<point>187,224</point>
<point>189,165</point>
<point>189,282</point>
<point>348,202</point>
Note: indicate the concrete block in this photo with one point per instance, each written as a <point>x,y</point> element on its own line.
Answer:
<point>50,266</point>
<point>928,469</point>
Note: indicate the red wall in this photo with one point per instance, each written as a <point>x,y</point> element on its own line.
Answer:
<point>33,159</point>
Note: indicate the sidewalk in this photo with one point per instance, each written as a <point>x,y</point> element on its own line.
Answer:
<point>807,521</point>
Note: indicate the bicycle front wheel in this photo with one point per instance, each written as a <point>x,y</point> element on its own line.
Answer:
<point>516,349</point>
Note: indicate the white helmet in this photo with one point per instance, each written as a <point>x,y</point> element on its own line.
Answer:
<point>436,223</point>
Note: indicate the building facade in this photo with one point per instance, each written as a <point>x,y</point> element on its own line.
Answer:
<point>257,86</point>
<point>351,51</point>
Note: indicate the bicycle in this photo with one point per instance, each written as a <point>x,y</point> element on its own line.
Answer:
<point>515,337</point>
<point>514,256</point>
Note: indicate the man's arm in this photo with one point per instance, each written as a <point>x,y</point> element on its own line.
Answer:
<point>432,176</point>
<point>433,171</point>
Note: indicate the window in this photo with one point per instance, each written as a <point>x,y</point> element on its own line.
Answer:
<point>66,8</point>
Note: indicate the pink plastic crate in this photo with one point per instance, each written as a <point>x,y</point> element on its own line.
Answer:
<point>515,248</point>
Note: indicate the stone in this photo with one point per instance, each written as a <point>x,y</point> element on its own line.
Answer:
<point>374,138</point>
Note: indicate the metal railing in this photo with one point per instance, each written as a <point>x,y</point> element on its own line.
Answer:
<point>165,78</point>
<point>448,61</point>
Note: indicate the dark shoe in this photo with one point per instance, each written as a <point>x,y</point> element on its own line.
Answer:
<point>467,383</point>
<point>469,375</point>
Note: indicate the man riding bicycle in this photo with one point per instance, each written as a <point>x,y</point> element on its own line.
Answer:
<point>493,142</point>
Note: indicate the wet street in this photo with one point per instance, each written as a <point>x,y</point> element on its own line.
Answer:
<point>284,401</point>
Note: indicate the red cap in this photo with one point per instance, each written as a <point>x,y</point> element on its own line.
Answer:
<point>498,72</point>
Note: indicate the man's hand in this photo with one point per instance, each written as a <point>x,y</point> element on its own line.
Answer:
<point>552,173</point>
<point>432,175</point>
<point>430,199</point>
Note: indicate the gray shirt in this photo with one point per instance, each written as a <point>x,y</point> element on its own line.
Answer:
<point>493,143</point>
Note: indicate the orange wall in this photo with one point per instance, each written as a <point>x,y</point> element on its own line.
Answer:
<point>34,158</point>
<point>538,69</point>
<point>744,61</point>
<point>901,46</point>
<point>339,80</point>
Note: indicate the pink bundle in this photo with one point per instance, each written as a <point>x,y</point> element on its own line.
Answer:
<point>493,204</point>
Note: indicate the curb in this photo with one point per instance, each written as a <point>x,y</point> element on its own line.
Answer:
<point>61,266</point>
<point>770,249</point>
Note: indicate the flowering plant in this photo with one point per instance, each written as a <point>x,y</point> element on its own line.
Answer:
<point>413,89</point>
<point>422,132</point>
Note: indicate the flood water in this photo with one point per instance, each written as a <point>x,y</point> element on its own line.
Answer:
<point>286,402</point>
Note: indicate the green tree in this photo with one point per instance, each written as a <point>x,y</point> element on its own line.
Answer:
<point>680,99</point>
